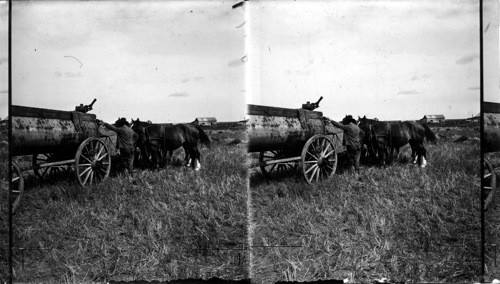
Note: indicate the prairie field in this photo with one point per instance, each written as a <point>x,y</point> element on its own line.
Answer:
<point>492,226</point>
<point>401,222</point>
<point>172,223</point>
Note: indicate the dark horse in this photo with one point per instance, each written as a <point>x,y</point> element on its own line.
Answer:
<point>150,142</point>
<point>385,138</point>
<point>189,136</point>
<point>158,139</point>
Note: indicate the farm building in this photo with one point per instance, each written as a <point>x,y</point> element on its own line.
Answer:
<point>205,121</point>
<point>432,118</point>
<point>474,118</point>
<point>4,125</point>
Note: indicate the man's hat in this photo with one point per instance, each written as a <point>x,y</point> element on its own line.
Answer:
<point>347,119</point>
<point>121,122</point>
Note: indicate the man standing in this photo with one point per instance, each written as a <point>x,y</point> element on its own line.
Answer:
<point>126,138</point>
<point>352,140</point>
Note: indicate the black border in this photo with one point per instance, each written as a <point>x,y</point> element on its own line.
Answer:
<point>481,136</point>
<point>9,83</point>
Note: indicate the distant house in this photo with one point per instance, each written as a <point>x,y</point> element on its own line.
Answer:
<point>4,126</point>
<point>474,118</point>
<point>432,118</point>
<point>205,121</point>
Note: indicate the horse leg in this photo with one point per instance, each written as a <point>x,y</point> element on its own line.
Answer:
<point>422,155</point>
<point>382,157</point>
<point>196,154</point>
<point>187,158</point>
<point>414,152</point>
<point>394,154</point>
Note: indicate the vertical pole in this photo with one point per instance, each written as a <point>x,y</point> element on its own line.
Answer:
<point>481,127</point>
<point>10,195</point>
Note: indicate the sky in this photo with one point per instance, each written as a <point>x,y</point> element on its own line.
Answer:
<point>164,61</point>
<point>4,53</point>
<point>491,51</point>
<point>170,61</point>
<point>393,60</point>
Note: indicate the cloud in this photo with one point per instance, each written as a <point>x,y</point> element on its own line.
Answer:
<point>416,77</point>
<point>72,75</point>
<point>473,88</point>
<point>298,72</point>
<point>3,60</point>
<point>68,74</point>
<point>408,92</point>
<point>179,95</point>
<point>467,58</point>
<point>195,79</point>
<point>235,63</point>
<point>4,91</point>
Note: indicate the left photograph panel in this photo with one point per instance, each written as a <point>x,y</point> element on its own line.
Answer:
<point>128,141</point>
<point>4,181</point>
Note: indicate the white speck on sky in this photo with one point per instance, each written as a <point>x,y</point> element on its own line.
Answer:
<point>164,61</point>
<point>384,59</point>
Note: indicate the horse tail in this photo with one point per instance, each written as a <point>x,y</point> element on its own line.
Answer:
<point>431,137</point>
<point>205,140</point>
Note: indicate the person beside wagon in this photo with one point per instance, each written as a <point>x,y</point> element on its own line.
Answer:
<point>126,138</point>
<point>352,140</point>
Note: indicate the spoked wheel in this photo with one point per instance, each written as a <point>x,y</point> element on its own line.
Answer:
<point>92,162</point>
<point>16,187</point>
<point>319,158</point>
<point>282,169</point>
<point>44,173</point>
<point>489,182</point>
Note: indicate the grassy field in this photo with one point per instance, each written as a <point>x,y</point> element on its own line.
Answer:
<point>401,222</point>
<point>166,226</point>
<point>4,225</point>
<point>492,226</point>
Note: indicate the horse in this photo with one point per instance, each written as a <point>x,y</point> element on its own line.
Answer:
<point>188,136</point>
<point>374,139</point>
<point>413,133</point>
<point>150,142</point>
<point>388,138</point>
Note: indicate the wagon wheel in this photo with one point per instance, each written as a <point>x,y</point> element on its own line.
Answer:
<point>489,182</point>
<point>16,187</point>
<point>46,172</point>
<point>319,158</point>
<point>92,161</point>
<point>282,169</point>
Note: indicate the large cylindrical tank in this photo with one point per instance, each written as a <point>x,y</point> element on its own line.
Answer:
<point>273,128</point>
<point>491,141</point>
<point>36,130</point>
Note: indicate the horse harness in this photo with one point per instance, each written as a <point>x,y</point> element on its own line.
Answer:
<point>375,136</point>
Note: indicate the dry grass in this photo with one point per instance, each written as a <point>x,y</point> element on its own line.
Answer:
<point>492,227</point>
<point>164,227</point>
<point>400,222</point>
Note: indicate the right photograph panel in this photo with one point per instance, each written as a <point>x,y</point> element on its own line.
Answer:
<point>364,140</point>
<point>491,140</point>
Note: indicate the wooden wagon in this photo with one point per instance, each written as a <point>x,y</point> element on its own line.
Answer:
<point>59,141</point>
<point>291,138</point>
<point>490,144</point>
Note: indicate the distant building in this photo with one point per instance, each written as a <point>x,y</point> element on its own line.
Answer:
<point>4,125</point>
<point>205,121</point>
<point>474,118</point>
<point>432,118</point>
